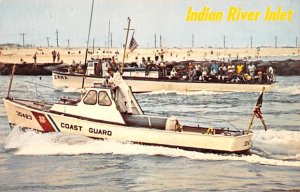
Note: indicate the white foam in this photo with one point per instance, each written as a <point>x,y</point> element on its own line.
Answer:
<point>281,144</point>
<point>203,92</point>
<point>292,90</point>
<point>32,143</point>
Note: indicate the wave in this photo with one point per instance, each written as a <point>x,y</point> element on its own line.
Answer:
<point>26,143</point>
<point>203,92</point>
<point>292,90</point>
<point>281,144</point>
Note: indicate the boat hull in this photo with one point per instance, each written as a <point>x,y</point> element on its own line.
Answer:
<point>28,117</point>
<point>64,80</point>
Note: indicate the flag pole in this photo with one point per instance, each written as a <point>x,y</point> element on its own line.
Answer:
<point>122,66</point>
<point>250,124</point>
<point>11,80</point>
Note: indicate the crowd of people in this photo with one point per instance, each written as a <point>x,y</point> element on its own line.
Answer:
<point>214,71</point>
<point>237,71</point>
<point>225,72</point>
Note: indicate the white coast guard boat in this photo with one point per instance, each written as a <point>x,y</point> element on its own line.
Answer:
<point>140,82</point>
<point>99,114</point>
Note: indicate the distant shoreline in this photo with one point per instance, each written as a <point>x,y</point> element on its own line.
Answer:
<point>77,55</point>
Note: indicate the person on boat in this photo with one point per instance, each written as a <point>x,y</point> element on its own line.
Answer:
<point>117,81</point>
<point>239,72</point>
<point>70,70</point>
<point>149,65</point>
<point>260,76</point>
<point>78,69</point>
<point>247,78</point>
<point>231,72</point>
<point>114,65</point>
<point>143,64</point>
<point>174,74</point>
<point>270,74</point>
<point>205,74</point>
<point>198,68</point>
<point>222,72</point>
<point>239,68</point>
<point>251,69</point>
<point>214,69</point>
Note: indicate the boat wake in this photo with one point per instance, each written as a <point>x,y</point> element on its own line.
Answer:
<point>279,144</point>
<point>204,92</point>
<point>25,143</point>
<point>291,90</point>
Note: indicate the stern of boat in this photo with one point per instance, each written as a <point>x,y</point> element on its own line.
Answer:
<point>240,143</point>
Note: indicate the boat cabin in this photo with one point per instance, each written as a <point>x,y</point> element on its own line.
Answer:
<point>99,68</point>
<point>106,105</point>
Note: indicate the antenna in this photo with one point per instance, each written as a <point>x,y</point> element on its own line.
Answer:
<point>87,44</point>
<point>155,40</point>
<point>160,42</point>
<point>48,41</point>
<point>68,40</point>
<point>56,37</point>
<point>192,40</point>
<point>23,37</point>
<point>108,37</point>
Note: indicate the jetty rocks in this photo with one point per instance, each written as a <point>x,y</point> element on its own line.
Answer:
<point>284,68</point>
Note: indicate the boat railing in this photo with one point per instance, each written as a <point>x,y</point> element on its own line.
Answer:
<point>213,123</point>
<point>50,97</point>
<point>35,94</point>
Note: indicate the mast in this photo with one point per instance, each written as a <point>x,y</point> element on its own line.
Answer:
<point>108,36</point>
<point>87,44</point>
<point>128,28</point>
<point>11,80</point>
<point>160,42</point>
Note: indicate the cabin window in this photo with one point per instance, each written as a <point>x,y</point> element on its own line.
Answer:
<point>104,99</point>
<point>91,98</point>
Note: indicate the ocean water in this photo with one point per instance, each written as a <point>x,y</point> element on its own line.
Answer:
<point>31,161</point>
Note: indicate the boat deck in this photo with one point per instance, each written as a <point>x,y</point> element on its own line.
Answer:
<point>145,121</point>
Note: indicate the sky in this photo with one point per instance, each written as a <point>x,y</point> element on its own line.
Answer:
<point>39,19</point>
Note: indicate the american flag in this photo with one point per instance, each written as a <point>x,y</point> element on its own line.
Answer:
<point>133,44</point>
<point>257,111</point>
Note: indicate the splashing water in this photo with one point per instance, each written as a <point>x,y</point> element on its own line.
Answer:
<point>63,144</point>
<point>164,92</point>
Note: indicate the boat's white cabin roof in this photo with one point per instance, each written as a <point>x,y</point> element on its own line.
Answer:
<point>97,103</point>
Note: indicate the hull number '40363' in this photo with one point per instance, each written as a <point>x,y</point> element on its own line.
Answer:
<point>24,115</point>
